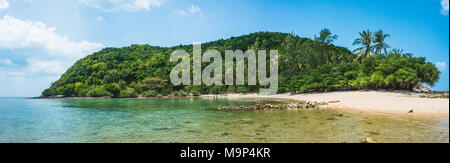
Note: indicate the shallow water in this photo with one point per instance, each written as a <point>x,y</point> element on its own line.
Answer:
<point>197,120</point>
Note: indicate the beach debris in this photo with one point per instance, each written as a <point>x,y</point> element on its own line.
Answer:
<point>337,101</point>
<point>290,106</point>
<point>368,140</point>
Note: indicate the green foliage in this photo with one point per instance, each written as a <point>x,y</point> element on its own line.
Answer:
<point>129,92</point>
<point>393,71</point>
<point>112,88</point>
<point>304,65</point>
<point>98,92</point>
<point>150,93</point>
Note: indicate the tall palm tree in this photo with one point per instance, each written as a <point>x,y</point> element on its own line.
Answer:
<point>365,41</point>
<point>380,45</point>
<point>326,38</point>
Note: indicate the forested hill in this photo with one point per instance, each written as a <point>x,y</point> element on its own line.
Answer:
<point>304,65</point>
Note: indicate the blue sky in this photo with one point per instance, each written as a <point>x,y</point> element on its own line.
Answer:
<point>40,39</point>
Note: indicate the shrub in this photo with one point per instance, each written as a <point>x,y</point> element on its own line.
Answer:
<point>180,93</point>
<point>242,90</point>
<point>129,92</point>
<point>99,92</point>
<point>113,88</point>
<point>150,93</point>
<point>195,93</point>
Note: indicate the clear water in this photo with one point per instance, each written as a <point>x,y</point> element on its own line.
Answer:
<point>197,120</point>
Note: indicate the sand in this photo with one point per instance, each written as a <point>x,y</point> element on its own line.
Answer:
<point>370,101</point>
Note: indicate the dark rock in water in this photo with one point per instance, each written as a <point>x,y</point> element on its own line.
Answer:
<point>305,117</point>
<point>258,130</point>
<point>250,122</point>
<point>194,131</point>
<point>340,115</point>
<point>226,124</point>
<point>369,123</point>
<point>332,118</point>
<point>225,134</point>
<point>260,138</point>
<point>157,129</point>
<point>291,106</point>
<point>373,133</point>
<point>265,126</point>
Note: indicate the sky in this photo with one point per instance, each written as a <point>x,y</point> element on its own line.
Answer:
<point>40,39</point>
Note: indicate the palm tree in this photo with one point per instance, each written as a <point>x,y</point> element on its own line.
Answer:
<point>326,38</point>
<point>365,41</point>
<point>378,39</point>
<point>397,51</point>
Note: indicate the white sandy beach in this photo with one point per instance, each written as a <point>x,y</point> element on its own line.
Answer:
<point>372,101</point>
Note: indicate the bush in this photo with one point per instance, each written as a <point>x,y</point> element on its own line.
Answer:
<point>166,92</point>
<point>180,93</point>
<point>242,90</point>
<point>150,93</point>
<point>113,88</point>
<point>82,92</point>
<point>49,92</point>
<point>99,92</point>
<point>129,92</point>
<point>195,93</point>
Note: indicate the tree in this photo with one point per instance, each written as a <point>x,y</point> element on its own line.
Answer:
<point>380,44</point>
<point>155,84</point>
<point>113,88</point>
<point>365,41</point>
<point>326,37</point>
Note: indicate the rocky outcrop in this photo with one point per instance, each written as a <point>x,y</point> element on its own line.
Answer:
<point>291,106</point>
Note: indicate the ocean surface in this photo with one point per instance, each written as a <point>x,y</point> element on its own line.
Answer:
<point>170,120</point>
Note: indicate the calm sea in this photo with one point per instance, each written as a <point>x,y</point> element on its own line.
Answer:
<point>197,120</point>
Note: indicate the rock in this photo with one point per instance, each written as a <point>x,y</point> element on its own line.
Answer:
<point>368,140</point>
<point>337,101</point>
<point>411,111</point>
<point>423,89</point>
<point>332,118</point>
<point>291,106</point>
<point>340,115</point>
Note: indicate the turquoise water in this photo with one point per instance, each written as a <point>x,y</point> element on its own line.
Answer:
<point>197,120</point>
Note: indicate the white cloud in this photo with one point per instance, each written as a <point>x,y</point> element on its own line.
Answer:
<point>59,52</point>
<point>51,67</point>
<point>125,5</point>
<point>18,33</point>
<point>444,4</point>
<point>442,66</point>
<point>3,5</point>
<point>182,12</point>
<point>5,62</point>
<point>100,18</point>
<point>192,10</point>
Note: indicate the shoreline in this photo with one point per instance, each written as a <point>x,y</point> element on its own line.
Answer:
<point>377,102</point>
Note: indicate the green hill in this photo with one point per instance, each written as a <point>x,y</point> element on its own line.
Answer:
<point>304,65</point>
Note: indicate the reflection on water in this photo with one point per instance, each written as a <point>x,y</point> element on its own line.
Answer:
<point>197,120</point>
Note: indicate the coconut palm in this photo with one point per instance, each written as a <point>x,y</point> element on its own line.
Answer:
<point>365,41</point>
<point>380,45</point>
<point>326,36</point>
